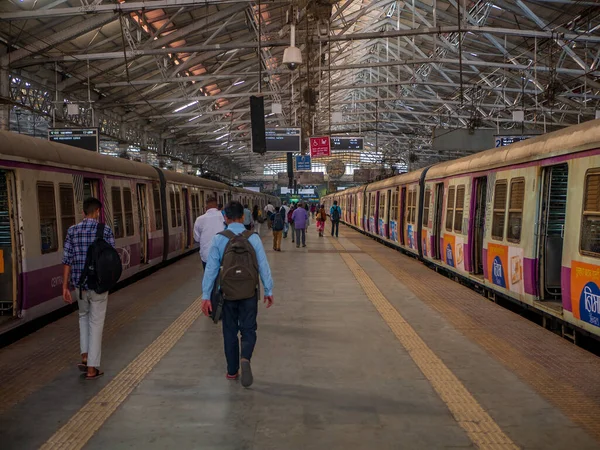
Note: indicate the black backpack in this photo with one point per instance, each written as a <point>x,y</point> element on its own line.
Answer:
<point>103,266</point>
<point>239,267</point>
<point>278,221</point>
<point>335,214</point>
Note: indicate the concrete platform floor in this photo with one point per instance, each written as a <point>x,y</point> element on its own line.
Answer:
<point>348,357</point>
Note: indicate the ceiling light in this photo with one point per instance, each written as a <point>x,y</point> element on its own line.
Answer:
<point>221,137</point>
<point>237,83</point>
<point>194,118</point>
<point>185,106</point>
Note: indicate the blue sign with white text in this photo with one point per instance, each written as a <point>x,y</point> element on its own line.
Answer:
<point>303,163</point>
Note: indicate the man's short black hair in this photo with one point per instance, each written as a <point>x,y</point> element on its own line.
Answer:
<point>91,205</point>
<point>277,209</point>
<point>220,206</point>
<point>246,206</point>
<point>335,202</point>
<point>234,210</point>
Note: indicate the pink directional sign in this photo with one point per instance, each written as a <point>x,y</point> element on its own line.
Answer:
<point>320,146</point>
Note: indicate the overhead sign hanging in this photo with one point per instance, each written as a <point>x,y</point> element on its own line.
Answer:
<point>84,138</point>
<point>320,146</point>
<point>303,163</point>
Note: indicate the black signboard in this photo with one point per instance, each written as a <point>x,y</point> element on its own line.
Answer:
<point>283,139</point>
<point>347,143</point>
<point>84,138</point>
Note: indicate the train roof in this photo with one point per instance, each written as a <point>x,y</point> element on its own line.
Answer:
<point>404,178</point>
<point>572,139</point>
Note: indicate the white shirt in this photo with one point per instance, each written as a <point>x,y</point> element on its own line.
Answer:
<point>205,229</point>
<point>287,210</point>
<point>269,208</point>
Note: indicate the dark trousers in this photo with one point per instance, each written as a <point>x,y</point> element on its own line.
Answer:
<point>335,226</point>
<point>239,316</point>
<point>300,234</point>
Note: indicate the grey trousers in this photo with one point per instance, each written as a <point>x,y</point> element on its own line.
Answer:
<point>300,234</point>
<point>92,312</point>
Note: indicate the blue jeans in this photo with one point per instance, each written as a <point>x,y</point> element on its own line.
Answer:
<point>239,316</point>
<point>286,227</point>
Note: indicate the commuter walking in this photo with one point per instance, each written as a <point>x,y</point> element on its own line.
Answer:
<point>269,210</point>
<point>89,233</point>
<point>241,257</point>
<point>247,218</point>
<point>286,225</point>
<point>206,227</point>
<point>291,222</point>
<point>313,210</point>
<point>335,212</point>
<point>278,226</point>
<point>321,219</point>
<point>256,218</point>
<point>300,218</point>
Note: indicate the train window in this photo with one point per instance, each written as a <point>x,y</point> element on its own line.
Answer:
<point>194,207</point>
<point>117,212</point>
<point>394,206</point>
<point>515,210</point>
<point>128,207</point>
<point>173,209</point>
<point>381,206</point>
<point>590,224</point>
<point>67,208</point>
<point>157,207</point>
<point>499,210</point>
<point>178,203</point>
<point>426,202</point>
<point>459,208</point>
<point>47,210</point>
<point>372,206</point>
<point>450,208</point>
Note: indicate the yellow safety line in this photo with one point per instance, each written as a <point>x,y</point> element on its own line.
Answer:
<point>82,426</point>
<point>480,427</point>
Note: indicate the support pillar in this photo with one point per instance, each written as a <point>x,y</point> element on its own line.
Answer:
<point>4,99</point>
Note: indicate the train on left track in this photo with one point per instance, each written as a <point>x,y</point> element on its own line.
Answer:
<point>42,188</point>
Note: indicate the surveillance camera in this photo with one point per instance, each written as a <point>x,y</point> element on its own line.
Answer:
<point>292,57</point>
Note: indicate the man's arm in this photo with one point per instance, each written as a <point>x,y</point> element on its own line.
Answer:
<point>263,265</point>
<point>197,229</point>
<point>212,268</point>
<point>109,236</point>
<point>67,261</point>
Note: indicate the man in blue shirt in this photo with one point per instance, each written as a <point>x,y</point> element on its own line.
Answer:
<point>335,212</point>
<point>239,316</point>
<point>92,306</point>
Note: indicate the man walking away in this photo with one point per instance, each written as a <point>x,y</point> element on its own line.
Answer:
<point>291,221</point>
<point>300,218</point>
<point>313,210</point>
<point>247,218</point>
<point>241,257</point>
<point>269,210</point>
<point>92,306</point>
<point>335,212</point>
<point>286,225</point>
<point>256,218</point>
<point>206,227</point>
<point>278,226</point>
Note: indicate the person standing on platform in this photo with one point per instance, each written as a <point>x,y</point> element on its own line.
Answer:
<point>286,225</point>
<point>92,306</point>
<point>321,219</point>
<point>335,212</point>
<point>278,226</point>
<point>206,227</point>
<point>291,221</point>
<point>236,251</point>
<point>313,210</point>
<point>256,218</point>
<point>300,218</point>
<point>269,210</point>
<point>247,218</point>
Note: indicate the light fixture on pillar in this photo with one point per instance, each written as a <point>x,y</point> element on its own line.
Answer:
<point>518,116</point>
<point>276,108</point>
<point>336,117</point>
<point>72,109</point>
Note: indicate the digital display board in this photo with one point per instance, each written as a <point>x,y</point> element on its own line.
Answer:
<point>347,143</point>
<point>84,138</point>
<point>283,139</point>
<point>501,141</point>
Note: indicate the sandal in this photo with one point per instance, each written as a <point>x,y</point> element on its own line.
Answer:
<point>82,367</point>
<point>98,374</point>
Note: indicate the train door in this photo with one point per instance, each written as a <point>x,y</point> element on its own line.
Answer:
<point>553,207</point>
<point>8,245</point>
<point>402,214</point>
<point>376,213</point>
<point>478,225</point>
<point>186,217</point>
<point>143,221</point>
<point>388,210</point>
<point>202,203</point>
<point>92,188</point>
<point>437,224</point>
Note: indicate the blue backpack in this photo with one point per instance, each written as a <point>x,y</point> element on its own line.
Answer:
<point>335,214</point>
<point>278,221</point>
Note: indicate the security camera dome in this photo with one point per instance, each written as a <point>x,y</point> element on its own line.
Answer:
<point>292,57</point>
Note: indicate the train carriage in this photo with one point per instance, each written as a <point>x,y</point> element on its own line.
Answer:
<point>522,222</point>
<point>42,188</point>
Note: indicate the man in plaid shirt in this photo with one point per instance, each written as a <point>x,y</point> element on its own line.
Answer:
<point>92,306</point>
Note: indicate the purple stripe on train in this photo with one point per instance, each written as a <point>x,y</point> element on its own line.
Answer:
<point>565,281</point>
<point>530,275</point>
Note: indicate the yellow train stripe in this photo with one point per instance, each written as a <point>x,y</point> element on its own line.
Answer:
<point>483,431</point>
<point>82,426</point>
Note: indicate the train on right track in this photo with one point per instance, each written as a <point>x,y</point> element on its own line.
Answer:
<point>520,222</point>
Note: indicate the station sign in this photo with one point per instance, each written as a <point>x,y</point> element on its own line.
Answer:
<point>84,138</point>
<point>303,163</point>
<point>320,146</point>
<point>347,143</point>
<point>501,141</point>
<point>283,139</point>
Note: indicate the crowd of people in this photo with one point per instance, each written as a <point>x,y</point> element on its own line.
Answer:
<point>234,263</point>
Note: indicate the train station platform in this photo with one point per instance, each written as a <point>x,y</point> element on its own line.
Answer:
<point>364,348</point>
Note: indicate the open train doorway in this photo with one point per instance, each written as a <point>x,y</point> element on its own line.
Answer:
<point>187,229</point>
<point>143,222</point>
<point>553,209</point>
<point>401,232</point>
<point>8,246</point>
<point>437,224</point>
<point>478,227</point>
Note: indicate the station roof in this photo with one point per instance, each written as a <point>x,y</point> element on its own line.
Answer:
<point>175,75</point>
